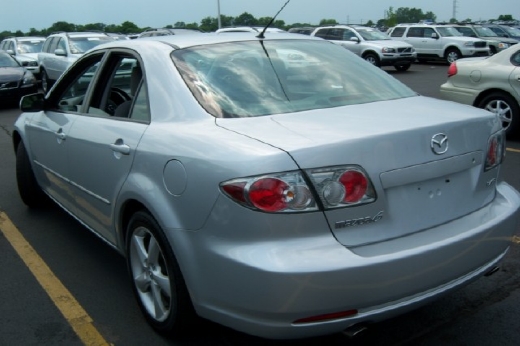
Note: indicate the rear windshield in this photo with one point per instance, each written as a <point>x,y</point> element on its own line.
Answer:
<point>255,78</point>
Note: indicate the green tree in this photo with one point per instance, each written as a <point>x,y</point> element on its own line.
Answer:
<point>245,19</point>
<point>505,17</point>
<point>61,26</point>
<point>129,28</point>
<point>209,24</point>
<point>328,22</point>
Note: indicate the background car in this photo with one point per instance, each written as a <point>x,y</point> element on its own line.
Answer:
<point>438,42</point>
<point>25,50</point>
<point>496,43</point>
<point>62,49</point>
<point>256,29</point>
<point>281,200</point>
<point>167,32</point>
<point>505,31</point>
<point>371,44</point>
<point>492,83</point>
<point>15,80</point>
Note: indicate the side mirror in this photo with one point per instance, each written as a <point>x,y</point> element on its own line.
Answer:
<point>435,36</point>
<point>60,52</point>
<point>10,52</point>
<point>354,39</point>
<point>33,103</point>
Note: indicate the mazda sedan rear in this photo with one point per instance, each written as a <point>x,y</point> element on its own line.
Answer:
<point>282,200</point>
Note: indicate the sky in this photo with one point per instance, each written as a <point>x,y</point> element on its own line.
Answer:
<point>26,14</point>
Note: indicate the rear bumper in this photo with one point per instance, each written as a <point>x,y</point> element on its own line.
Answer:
<point>261,288</point>
<point>461,95</point>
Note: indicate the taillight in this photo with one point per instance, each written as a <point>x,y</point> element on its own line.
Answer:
<point>289,192</point>
<point>342,186</point>
<point>452,70</point>
<point>496,150</point>
<point>282,192</point>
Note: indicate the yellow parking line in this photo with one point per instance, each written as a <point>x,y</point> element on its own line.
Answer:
<point>77,317</point>
<point>513,150</point>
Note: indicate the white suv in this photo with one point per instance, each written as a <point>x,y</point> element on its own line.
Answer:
<point>370,44</point>
<point>61,50</point>
<point>25,50</point>
<point>439,42</point>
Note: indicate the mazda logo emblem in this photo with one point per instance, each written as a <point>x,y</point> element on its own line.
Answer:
<point>439,143</point>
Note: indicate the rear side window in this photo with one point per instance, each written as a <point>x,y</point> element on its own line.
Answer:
<point>398,32</point>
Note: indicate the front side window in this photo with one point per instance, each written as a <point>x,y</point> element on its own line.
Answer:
<point>247,79</point>
<point>71,94</point>
<point>370,34</point>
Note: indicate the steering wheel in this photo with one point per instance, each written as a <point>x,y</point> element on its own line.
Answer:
<point>117,96</point>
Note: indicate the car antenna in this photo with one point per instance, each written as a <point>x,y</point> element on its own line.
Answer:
<point>261,35</point>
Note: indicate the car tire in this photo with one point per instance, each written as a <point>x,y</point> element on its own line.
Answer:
<point>28,188</point>
<point>373,59</point>
<point>507,109</point>
<point>157,281</point>
<point>402,67</point>
<point>452,55</point>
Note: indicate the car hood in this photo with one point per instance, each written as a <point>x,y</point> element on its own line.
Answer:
<point>27,57</point>
<point>9,74</point>
<point>392,142</point>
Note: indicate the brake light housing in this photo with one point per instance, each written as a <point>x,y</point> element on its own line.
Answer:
<point>452,70</point>
<point>302,191</point>
<point>496,150</point>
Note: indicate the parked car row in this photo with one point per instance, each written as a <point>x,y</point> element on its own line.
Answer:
<point>405,44</point>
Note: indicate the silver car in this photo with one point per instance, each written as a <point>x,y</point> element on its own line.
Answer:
<point>282,200</point>
<point>491,83</point>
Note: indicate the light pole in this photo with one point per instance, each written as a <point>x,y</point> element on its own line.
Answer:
<point>218,13</point>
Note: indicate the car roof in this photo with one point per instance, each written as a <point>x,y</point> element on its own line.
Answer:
<point>186,41</point>
<point>80,34</point>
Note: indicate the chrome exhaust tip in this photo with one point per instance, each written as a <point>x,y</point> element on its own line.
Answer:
<point>355,330</point>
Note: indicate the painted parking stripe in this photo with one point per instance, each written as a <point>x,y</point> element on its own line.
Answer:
<point>76,316</point>
<point>513,150</point>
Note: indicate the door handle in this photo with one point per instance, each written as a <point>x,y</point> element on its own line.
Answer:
<point>120,147</point>
<point>60,134</point>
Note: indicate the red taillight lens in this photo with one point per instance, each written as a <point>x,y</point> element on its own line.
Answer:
<point>355,184</point>
<point>269,194</point>
<point>452,70</point>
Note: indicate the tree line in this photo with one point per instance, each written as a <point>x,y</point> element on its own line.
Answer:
<point>209,24</point>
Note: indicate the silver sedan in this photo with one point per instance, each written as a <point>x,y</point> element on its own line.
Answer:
<point>283,200</point>
<point>492,83</point>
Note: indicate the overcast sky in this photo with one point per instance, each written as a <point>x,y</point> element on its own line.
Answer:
<point>25,14</point>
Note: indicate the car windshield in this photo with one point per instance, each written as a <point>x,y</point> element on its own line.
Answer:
<point>448,31</point>
<point>370,34</point>
<point>485,32</point>
<point>34,46</point>
<point>247,79</point>
<point>79,45</point>
<point>7,61</point>
<point>512,31</point>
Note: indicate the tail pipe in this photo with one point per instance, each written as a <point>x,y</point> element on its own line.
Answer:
<point>355,330</point>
